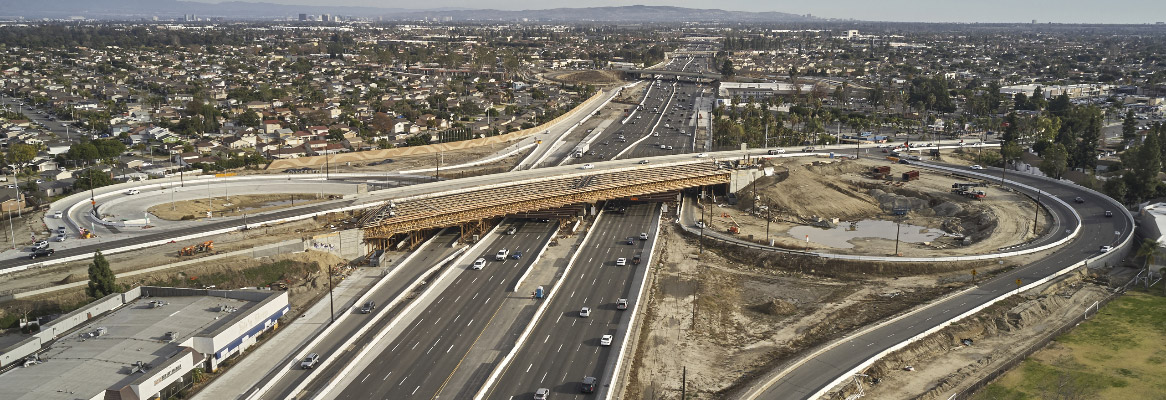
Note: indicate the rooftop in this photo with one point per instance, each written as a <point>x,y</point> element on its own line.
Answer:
<point>81,363</point>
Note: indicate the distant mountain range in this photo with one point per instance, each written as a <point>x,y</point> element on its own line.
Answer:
<point>170,9</point>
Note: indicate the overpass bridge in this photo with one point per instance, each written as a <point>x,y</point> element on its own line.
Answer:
<point>470,207</point>
<point>673,75</point>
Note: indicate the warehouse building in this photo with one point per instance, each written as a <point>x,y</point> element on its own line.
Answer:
<point>142,344</point>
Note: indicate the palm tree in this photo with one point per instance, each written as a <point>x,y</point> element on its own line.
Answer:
<point>1148,250</point>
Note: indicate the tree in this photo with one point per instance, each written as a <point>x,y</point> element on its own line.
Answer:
<point>727,68</point>
<point>1055,162</point>
<point>1142,165</point>
<point>1148,251</point>
<point>249,118</point>
<point>92,178</point>
<point>21,154</point>
<point>101,280</point>
<point>1129,128</point>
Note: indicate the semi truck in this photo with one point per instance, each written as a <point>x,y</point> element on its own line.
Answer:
<point>581,150</point>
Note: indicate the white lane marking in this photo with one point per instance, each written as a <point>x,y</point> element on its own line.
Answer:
<point>559,318</point>
<point>560,348</point>
<point>415,346</point>
<point>548,338</point>
<point>439,299</point>
<point>468,323</point>
<point>458,298</point>
<point>366,377</point>
<point>475,296</point>
<point>438,320</point>
<point>402,381</point>
<point>529,367</point>
<point>450,348</point>
<point>387,376</point>
<point>475,280</point>
<point>572,294</point>
<point>543,378</point>
<point>487,300</point>
<point>455,318</point>
<point>415,390</point>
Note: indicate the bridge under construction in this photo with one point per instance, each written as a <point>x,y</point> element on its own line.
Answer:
<point>561,197</point>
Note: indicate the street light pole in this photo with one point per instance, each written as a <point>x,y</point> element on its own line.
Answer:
<point>898,226</point>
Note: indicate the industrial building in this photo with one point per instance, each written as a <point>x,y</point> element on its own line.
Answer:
<point>761,89</point>
<point>142,344</point>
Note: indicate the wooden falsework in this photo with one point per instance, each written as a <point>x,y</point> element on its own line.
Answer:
<point>450,210</point>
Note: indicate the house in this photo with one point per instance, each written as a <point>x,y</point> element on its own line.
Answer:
<point>10,202</point>
<point>286,153</point>
<point>56,175</point>
<point>271,125</point>
<point>56,188</point>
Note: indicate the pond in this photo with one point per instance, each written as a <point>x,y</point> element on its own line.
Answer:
<point>841,235</point>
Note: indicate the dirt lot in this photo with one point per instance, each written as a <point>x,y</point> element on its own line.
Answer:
<point>751,317</point>
<point>587,77</point>
<point>231,206</point>
<point>801,193</point>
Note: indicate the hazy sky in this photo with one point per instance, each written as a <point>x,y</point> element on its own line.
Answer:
<point>1092,11</point>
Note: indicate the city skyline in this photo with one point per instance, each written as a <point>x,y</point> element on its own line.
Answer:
<point>989,11</point>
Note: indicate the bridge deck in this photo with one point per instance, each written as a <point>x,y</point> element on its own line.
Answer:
<point>440,210</point>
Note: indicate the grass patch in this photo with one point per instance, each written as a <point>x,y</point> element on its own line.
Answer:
<point>1116,355</point>
<point>260,275</point>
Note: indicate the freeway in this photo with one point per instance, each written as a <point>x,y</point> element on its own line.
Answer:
<point>564,346</point>
<point>418,363</point>
<point>397,284</point>
<point>810,377</point>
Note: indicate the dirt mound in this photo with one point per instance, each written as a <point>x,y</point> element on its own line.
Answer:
<point>775,307</point>
<point>230,206</point>
<point>586,77</point>
<point>818,190</point>
<point>70,278</point>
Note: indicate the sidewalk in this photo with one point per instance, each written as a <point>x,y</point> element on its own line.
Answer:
<point>513,316</point>
<point>257,363</point>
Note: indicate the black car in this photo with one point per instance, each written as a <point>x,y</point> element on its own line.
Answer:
<point>41,253</point>
<point>1078,200</point>
<point>589,384</point>
<point>368,307</point>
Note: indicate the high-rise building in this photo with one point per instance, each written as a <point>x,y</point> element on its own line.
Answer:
<point>303,17</point>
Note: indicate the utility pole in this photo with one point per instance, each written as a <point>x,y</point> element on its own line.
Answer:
<point>683,382</point>
<point>1036,213</point>
<point>898,227</point>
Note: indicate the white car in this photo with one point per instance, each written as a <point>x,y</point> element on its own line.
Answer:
<point>1106,249</point>
<point>58,214</point>
<point>479,263</point>
<point>132,191</point>
<point>977,166</point>
<point>585,312</point>
<point>588,166</point>
<point>621,261</point>
<point>702,155</point>
<point>605,340</point>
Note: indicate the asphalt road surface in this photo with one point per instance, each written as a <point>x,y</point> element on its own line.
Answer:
<point>564,347</point>
<point>418,363</point>
<point>329,347</point>
<point>808,378</point>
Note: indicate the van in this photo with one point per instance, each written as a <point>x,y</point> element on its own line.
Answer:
<point>501,256</point>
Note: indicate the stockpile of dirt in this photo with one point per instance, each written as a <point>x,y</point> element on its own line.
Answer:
<point>231,206</point>
<point>811,190</point>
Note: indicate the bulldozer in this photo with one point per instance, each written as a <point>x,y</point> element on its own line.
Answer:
<point>86,234</point>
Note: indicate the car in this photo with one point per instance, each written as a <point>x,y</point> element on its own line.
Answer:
<point>585,312</point>
<point>669,147</point>
<point>808,149</point>
<point>776,151</point>
<point>368,307</point>
<point>60,230</point>
<point>621,304</point>
<point>512,230</point>
<point>642,162</point>
<point>588,385</point>
<point>605,340</point>
<point>702,155</point>
<point>132,191</point>
<point>542,394</point>
<point>516,255</point>
<point>643,236</point>
<point>700,224</point>
<point>40,244</point>
<point>310,361</point>
<point>636,260</point>
<point>1108,214</point>
<point>630,240</point>
<point>41,253</point>
<point>1078,200</point>
<point>588,166</point>
<point>1106,249</point>
<point>60,237</point>
<point>479,263</point>
<point>977,166</point>
<point>58,214</point>
<point>621,261</point>
<point>501,256</point>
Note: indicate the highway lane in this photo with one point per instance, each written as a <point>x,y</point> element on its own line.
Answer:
<point>564,347</point>
<point>403,276</point>
<point>418,363</point>
<point>802,381</point>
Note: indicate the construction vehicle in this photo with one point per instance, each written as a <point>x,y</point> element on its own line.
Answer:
<point>203,247</point>
<point>86,234</point>
<point>965,189</point>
